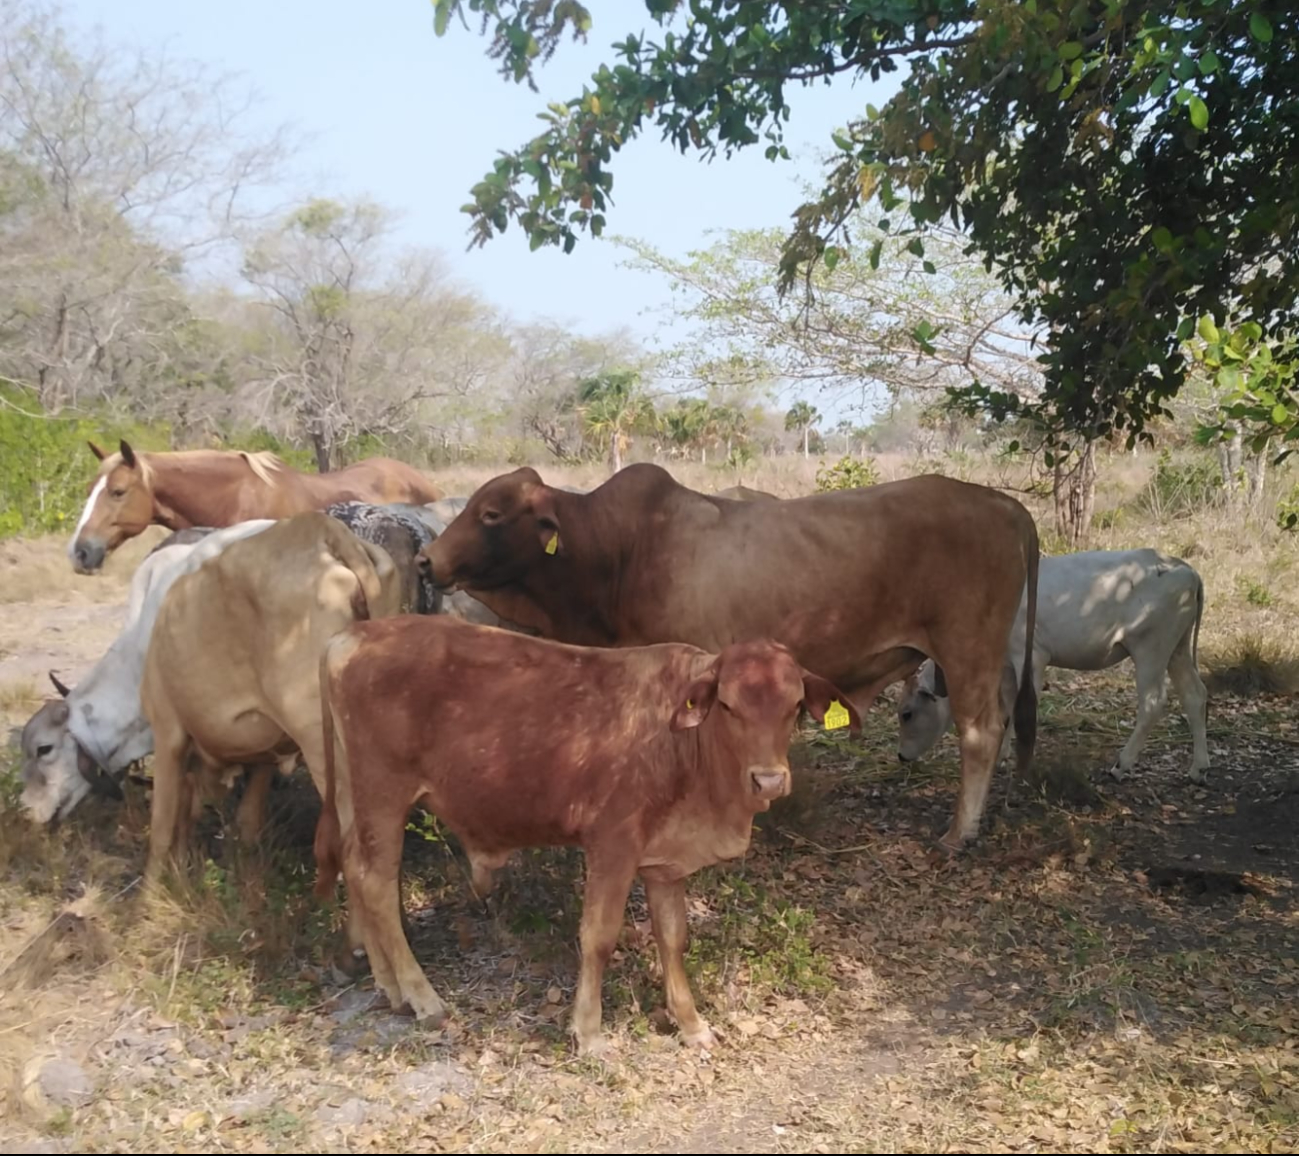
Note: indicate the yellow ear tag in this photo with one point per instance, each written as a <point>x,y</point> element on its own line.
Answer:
<point>836,716</point>
<point>690,704</point>
<point>552,545</point>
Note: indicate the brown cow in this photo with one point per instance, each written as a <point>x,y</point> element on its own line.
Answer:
<point>861,585</point>
<point>653,760</point>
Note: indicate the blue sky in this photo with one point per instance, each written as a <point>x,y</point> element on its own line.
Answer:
<point>414,121</point>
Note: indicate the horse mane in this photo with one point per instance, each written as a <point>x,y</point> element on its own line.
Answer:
<point>263,463</point>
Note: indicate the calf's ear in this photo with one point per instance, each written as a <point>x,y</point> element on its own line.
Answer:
<point>543,509</point>
<point>940,682</point>
<point>820,696</point>
<point>694,708</point>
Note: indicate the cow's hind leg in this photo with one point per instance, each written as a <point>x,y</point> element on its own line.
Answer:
<point>976,710</point>
<point>170,797</point>
<point>608,883</point>
<point>250,818</point>
<point>1194,698</point>
<point>667,904</point>
<point>1152,695</point>
<point>378,884</point>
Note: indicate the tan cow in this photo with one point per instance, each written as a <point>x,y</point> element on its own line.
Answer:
<point>861,585</point>
<point>232,673</point>
<point>654,760</point>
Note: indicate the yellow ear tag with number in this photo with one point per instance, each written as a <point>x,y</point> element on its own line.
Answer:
<point>552,545</point>
<point>836,716</point>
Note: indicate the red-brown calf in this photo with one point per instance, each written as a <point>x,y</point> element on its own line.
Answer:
<point>652,759</point>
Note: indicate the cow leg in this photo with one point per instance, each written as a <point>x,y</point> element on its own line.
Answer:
<point>169,795</point>
<point>1152,694</point>
<point>1195,703</point>
<point>251,815</point>
<point>980,732</point>
<point>604,902</point>
<point>378,886</point>
<point>667,904</point>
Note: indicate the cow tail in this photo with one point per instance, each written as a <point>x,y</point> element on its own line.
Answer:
<point>1026,699</point>
<point>329,836</point>
<point>349,550</point>
<point>1195,640</point>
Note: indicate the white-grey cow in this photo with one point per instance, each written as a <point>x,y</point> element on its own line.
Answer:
<point>1094,609</point>
<point>85,740</point>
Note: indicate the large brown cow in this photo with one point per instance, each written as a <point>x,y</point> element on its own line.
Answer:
<point>861,585</point>
<point>232,672</point>
<point>653,760</point>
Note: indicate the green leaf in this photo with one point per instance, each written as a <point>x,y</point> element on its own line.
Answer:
<point>1208,62</point>
<point>930,268</point>
<point>1160,83</point>
<point>876,250</point>
<point>1280,415</point>
<point>1199,113</point>
<point>1185,329</point>
<point>831,256</point>
<point>916,247</point>
<point>1207,329</point>
<point>1056,80</point>
<point>441,16</point>
<point>1070,50</point>
<point>1162,239</point>
<point>1260,27</point>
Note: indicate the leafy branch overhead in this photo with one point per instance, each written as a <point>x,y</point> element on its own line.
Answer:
<point>1121,167</point>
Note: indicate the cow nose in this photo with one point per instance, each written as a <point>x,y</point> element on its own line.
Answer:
<point>425,567</point>
<point>770,782</point>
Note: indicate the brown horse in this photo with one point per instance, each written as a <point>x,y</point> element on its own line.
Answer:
<point>219,488</point>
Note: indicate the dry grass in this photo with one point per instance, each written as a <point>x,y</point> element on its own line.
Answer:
<point>38,570</point>
<point>1111,968</point>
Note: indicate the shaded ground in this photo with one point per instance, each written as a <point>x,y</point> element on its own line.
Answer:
<point>1113,967</point>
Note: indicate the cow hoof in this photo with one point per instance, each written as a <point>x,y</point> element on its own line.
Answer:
<point>705,1039</point>
<point>1199,775</point>
<point>596,1048</point>
<point>431,1012</point>
<point>1117,773</point>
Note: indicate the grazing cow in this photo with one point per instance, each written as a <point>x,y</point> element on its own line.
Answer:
<point>219,488</point>
<point>1095,609</point>
<point>654,760</point>
<point>862,585</point>
<point>744,494</point>
<point>231,675</point>
<point>86,739</point>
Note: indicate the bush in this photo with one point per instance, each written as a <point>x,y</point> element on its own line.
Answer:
<point>1180,488</point>
<point>847,474</point>
<point>1287,510</point>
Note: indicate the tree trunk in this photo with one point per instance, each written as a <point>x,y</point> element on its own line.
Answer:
<point>615,446</point>
<point>323,450</point>
<point>1074,490</point>
<point>807,433</point>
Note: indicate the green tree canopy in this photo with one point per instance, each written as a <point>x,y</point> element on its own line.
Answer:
<point>1124,166</point>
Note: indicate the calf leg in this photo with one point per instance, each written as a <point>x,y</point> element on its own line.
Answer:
<point>667,904</point>
<point>1152,694</point>
<point>377,882</point>
<point>608,883</point>
<point>1195,703</point>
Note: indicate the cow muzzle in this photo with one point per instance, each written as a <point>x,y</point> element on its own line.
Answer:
<point>769,782</point>
<point>424,567</point>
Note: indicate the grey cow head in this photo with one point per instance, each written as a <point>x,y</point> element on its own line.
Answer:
<point>57,771</point>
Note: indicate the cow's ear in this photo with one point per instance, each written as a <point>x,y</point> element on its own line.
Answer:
<point>94,449</point>
<point>826,703</point>
<point>940,682</point>
<point>694,708</point>
<point>543,509</point>
<point>101,782</point>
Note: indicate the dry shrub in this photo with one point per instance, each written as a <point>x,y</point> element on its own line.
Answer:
<point>38,570</point>
<point>1250,663</point>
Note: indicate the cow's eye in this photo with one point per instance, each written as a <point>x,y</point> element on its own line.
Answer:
<point>490,517</point>
<point>906,716</point>
<point>43,750</point>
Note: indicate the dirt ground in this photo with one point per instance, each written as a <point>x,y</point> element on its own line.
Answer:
<point>1113,966</point>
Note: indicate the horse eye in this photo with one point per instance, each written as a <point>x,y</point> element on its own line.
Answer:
<point>119,493</point>
<point>43,750</point>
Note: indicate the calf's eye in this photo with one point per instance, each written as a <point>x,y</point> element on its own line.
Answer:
<point>43,750</point>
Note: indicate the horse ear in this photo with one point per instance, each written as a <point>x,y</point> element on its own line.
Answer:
<point>128,454</point>
<point>94,449</point>
<point>63,690</point>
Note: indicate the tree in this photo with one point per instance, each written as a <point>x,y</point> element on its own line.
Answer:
<point>613,408</point>
<point>1123,167</point>
<point>802,416</point>
<point>119,170</point>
